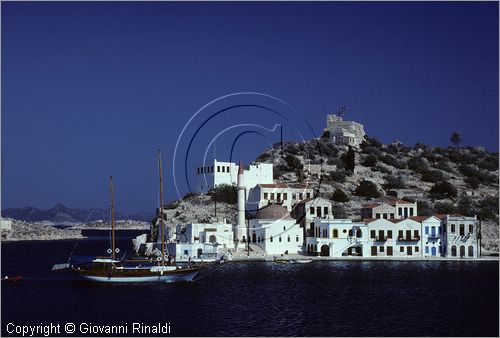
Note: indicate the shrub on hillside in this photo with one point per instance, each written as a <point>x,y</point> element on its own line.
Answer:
<point>263,157</point>
<point>392,149</point>
<point>339,196</point>
<point>443,190</point>
<point>367,189</point>
<point>490,163</point>
<point>370,161</point>
<point>445,208</point>
<point>392,193</point>
<point>424,209</point>
<point>444,165</point>
<point>292,162</point>
<point>393,182</point>
<point>348,159</point>
<point>433,176</point>
<point>224,193</point>
<point>337,176</point>
<point>418,164</point>
<point>473,182</point>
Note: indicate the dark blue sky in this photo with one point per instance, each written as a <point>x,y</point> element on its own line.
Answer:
<point>95,88</point>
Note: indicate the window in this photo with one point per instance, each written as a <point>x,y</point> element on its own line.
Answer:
<point>218,168</point>
<point>392,216</point>
<point>318,211</point>
<point>272,196</point>
<point>417,249</point>
<point>377,215</point>
<point>278,196</point>
<point>297,239</point>
<point>452,228</point>
<point>285,196</point>
<point>198,170</point>
<point>382,249</point>
<point>381,234</point>
<point>223,169</point>
<point>471,228</point>
<point>385,216</point>
<point>308,195</point>
<point>350,233</point>
<point>471,251</point>
<point>359,233</point>
<point>325,210</point>
<point>415,234</point>
<point>462,230</point>
<point>389,233</point>
<point>288,238</point>
<point>426,249</point>
<point>426,230</point>
<point>401,249</point>
<point>374,250</point>
<point>284,228</point>
<point>186,252</point>
<point>227,168</point>
<point>335,233</point>
<point>266,195</point>
<point>400,234</point>
<point>301,196</point>
<point>372,234</point>
<point>400,211</point>
<point>212,168</point>
<point>389,251</point>
<point>280,239</point>
<point>271,238</point>
<point>344,231</point>
<point>411,212</point>
<point>311,210</point>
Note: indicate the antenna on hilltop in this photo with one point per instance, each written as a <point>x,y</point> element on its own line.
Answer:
<point>341,112</point>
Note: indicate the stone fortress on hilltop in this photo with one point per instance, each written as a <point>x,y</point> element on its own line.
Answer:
<point>349,133</point>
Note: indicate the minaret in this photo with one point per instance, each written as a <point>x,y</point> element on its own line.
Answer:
<point>240,186</point>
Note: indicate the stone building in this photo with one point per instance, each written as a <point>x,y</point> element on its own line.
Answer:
<point>349,133</point>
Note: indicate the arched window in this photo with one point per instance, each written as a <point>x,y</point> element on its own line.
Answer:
<point>280,238</point>
<point>462,251</point>
<point>296,238</point>
<point>271,239</point>
<point>288,239</point>
<point>471,251</point>
<point>453,251</point>
<point>335,233</point>
<point>315,248</point>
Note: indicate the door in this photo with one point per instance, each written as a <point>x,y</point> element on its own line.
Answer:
<point>409,250</point>
<point>408,235</point>
<point>318,212</point>
<point>389,251</point>
<point>433,251</point>
<point>374,251</point>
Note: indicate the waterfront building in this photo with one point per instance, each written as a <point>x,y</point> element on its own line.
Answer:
<point>433,238</point>
<point>461,237</point>
<point>274,231</point>
<point>217,173</point>
<point>348,133</point>
<point>337,238</point>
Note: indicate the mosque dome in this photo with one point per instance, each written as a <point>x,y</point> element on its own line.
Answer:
<point>272,211</point>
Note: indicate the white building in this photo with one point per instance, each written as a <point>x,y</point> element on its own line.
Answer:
<point>397,209</point>
<point>344,132</point>
<point>337,238</point>
<point>461,236</point>
<point>276,193</point>
<point>433,239</point>
<point>275,232</point>
<point>217,173</point>
<point>310,209</point>
<point>6,224</point>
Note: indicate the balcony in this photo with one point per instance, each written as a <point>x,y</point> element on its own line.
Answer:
<point>434,236</point>
<point>409,239</point>
<point>380,238</point>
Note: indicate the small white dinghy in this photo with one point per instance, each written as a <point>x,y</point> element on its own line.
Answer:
<point>300,261</point>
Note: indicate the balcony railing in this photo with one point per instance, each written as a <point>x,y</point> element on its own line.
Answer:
<point>409,239</point>
<point>434,236</point>
<point>380,238</point>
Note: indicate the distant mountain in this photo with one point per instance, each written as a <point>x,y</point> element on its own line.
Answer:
<point>63,214</point>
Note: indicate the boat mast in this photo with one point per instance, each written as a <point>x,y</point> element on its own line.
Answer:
<point>112,217</point>
<point>161,209</point>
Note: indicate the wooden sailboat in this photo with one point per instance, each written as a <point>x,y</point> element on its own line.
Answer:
<point>114,270</point>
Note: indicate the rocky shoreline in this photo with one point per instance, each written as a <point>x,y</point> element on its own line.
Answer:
<point>46,231</point>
